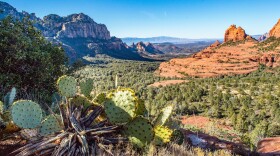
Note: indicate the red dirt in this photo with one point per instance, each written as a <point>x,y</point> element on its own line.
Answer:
<point>269,146</point>
<point>166,83</point>
<point>203,122</point>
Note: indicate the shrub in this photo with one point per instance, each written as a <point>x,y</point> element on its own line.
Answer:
<point>28,60</point>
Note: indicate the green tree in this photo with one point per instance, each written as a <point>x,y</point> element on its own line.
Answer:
<point>28,60</point>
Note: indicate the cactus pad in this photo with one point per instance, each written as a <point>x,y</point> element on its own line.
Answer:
<point>162,135</point>
<point>100,98</point>
<point>136,142</point>
<point>140,107</point>
<point>9,98</point>
<point>1,107</point>
<point>120,106</point>
<point>67,86</point>
<point>26,114</point>
<point>86,87</point>
<point>141,129</point>
<point>164,115</point>
<point>50,125</point>
<point>81,100</point>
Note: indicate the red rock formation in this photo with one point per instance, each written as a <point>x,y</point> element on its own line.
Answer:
<point>215,44</point>
<point>234,34</point>
<point>226,59</point>
<point>275,31</point>
<point>250,38</point>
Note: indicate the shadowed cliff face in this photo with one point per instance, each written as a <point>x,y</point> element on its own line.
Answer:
<point>78,33</point>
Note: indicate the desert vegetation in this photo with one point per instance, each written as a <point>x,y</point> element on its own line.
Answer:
<point>106,106</point>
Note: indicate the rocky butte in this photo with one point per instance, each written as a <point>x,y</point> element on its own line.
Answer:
<point>239,54</point>
<point>79,34</point>
<point>146,48</point>
<point>234,34</point>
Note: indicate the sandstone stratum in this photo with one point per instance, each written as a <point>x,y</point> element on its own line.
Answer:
<point>239,54</point>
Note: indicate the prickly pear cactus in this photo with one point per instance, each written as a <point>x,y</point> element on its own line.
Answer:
<point>26,114</point>
<point>100,98</point>
<point>178,137</point>
<point>56,101</point>
<point>81,100</point>
<point>50,124</point>
<point>67,86</point>
<point>86,87</point>
<point>140,131</point>
<point>9,98</point>
<point>162,135</point>
<point>1,107</point>
<point>140,107</point>
<point>120,106</point>
<point>164,115</point>
<point>136,142</point>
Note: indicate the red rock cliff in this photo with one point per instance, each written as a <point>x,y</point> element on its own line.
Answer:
<point>234,34</point>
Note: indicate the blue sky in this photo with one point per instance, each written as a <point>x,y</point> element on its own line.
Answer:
<point>177,18</point>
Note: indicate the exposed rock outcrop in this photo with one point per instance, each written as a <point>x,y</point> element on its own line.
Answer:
<point>263,37</point>
<point>226,59</point>
<point>215,44</point>
<point>78,33</point>
<point>275,31</point>
<point>234,34</point>
<point>81,25</point>
<point>146,48</point>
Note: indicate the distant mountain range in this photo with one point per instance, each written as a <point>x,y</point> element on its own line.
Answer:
<point>165,39</point>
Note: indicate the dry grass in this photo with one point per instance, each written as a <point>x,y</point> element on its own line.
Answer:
<point>170,150</point>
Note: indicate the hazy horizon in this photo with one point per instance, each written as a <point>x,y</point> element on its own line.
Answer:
<point>182,19</point>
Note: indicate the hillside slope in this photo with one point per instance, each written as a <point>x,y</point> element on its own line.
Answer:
<point>239,54</point>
